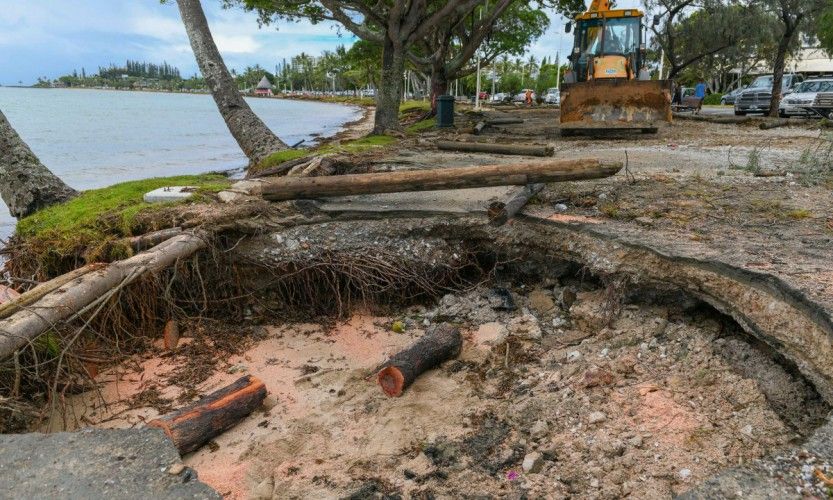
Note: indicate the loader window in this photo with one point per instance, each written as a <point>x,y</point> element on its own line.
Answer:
<point>621,36</point>
<point>589,38</point>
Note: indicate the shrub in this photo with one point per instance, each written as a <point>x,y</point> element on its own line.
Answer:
<point>713,98</point>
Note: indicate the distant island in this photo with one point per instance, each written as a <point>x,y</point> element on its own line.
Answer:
<point>133,75</point>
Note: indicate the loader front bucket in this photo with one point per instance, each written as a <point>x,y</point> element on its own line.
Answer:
<point>615,104</point>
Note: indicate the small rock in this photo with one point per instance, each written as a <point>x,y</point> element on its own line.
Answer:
<point>500,299</point>
<point>533,462</point>
<point>541,301</point>
<point>490,334</point>
<point>747,430</point>
<point>558,322</point>
<point>684,474</point>
<point>594,483</point>
<point>525,326</point>
<point>176,469</point>
<point>238,368</point>
<point>635,441</point>
<point>561,207</point>
<point>539,429</point>
<point>264,490</point>
<point>567,298</point>
<point>573,356</point>
<point>596,417</point>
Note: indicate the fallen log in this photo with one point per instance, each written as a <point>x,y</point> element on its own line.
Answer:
<point>773,124</point>
<point>75,295</point>
<point>145,241</point>
<point>513,174</point>
<point>441,343</point>
<point>502,149</point>
<point>278,169</point>
<point>479,127</point>
<point>500,213</point>
<point>196,424</point>
<point>504,121</point>
<point>30,297</point>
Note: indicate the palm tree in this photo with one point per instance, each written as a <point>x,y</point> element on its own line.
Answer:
<point>26,185</point>
<point>253,136</point>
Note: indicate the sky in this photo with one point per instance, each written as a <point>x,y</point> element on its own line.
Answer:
<point>50,38</point>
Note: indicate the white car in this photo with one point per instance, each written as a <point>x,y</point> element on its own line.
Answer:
<point>553,96</point>
<point>521,96</point>
<point>796,103</point>
<point>499,97</point>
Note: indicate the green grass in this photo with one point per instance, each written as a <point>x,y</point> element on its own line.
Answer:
<point>411,106</point>
<point>421,126</point>
<point>348,147</point>
<point>119,203</point>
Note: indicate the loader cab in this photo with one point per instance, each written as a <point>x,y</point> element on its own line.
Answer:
<point>607,45</point>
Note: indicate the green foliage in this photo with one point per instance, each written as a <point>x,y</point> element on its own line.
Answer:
<point>713,99</point>
<point>421,126</point>
<point>119,204</point>
<point>824,28</point>
<point>348,147</point>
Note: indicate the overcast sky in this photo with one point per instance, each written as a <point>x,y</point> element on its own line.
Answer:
<point>52,37</point>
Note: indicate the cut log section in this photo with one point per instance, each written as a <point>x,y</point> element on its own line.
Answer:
<point>35,294</point>
<point>774,124</point>
<point>196,424</point>
<point>501,149</point>
<point>500,213</point>
<point>517,174</point>
<point>437,345</point>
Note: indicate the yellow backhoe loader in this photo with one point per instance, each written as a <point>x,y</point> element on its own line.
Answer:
<point>608,87</point>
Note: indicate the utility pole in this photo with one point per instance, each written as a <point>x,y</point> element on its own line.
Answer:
<point>661,62</point>
<point>477,93</point>
<point>558,70</point>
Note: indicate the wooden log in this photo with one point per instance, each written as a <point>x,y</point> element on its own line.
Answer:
<point>501,149</point>
<point>145,241</point>
<point>479,127</point>
<point>515,174</point>
<point>504,121</point>
<point>441,343</point>
<point>194,425</point>
<point>278,169</point>
<point>30,297</point>
<point>73,296</point>
<point>500,213</point>
<point>773,124</point>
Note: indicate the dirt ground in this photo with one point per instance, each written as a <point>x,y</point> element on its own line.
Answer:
<point>546,399</point>
<point>561,390</point>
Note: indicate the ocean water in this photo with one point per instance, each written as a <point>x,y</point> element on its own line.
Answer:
<point>95,138</point>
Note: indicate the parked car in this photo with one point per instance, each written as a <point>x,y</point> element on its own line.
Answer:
<point>521,96</point>
<point>796,103</point>
<point>484,96</point>
<point>368,93</point>
<point>757,97</point>
<point>730,97</point>
<point>501,97</point>
<point>553,96</point>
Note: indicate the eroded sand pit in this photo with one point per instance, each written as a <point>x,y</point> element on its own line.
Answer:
<point>571,393</point>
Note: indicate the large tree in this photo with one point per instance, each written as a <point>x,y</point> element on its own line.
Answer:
<point>689,31</point>
<point>394,24</point>
<point>502,27</point>
<point>26,185</point>
<point>795,17</point>
<point>253,136</point>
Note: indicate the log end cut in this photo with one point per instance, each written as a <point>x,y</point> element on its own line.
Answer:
<point>392,381</point>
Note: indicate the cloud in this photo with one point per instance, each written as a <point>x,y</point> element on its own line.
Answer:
<point>236,44</point>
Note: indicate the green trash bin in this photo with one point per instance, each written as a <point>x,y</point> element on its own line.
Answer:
<point>445,111</point>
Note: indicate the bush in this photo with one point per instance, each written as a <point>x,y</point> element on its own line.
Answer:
<point>713,98</point>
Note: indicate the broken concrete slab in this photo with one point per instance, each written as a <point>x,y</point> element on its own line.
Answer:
<point>96,463</point>
<point>169,194</point>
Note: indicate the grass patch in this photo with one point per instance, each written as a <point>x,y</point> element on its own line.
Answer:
<point>421,126</point>
<point>412,106</point>
<point>121,202</point>
<point>348,147</point>
<point>91,227</point>
<point>799,214</point>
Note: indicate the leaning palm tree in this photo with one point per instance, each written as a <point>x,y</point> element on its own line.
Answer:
<point>26,185</point>
<point>253,136</point>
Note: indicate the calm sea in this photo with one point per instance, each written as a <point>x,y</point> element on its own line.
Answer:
<point>95,138</point>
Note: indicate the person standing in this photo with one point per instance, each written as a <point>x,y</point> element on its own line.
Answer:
<point>529,97</point>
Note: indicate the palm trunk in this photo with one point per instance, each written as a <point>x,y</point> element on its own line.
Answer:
<point>26,185</point>
<point>253,136</point>
<point>389,93</point>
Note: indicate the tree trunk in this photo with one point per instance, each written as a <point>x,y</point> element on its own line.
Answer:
<point>389,93</point>
<point>439,86</point>
<point>507,174</point>
<point>253,136</point>
<point>26,185</point>
<point>778,71</point>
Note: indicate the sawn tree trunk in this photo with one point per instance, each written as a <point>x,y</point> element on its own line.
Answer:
<point>26,185</point>
<point>253,136</point>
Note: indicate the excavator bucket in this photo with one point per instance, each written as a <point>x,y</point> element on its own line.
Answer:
<point>613,105</point>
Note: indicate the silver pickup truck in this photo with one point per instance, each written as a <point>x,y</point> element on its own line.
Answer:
<point>758,96</point>
<point>823,104</point>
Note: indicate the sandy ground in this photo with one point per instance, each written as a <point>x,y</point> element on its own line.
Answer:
<point>547,399</point>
